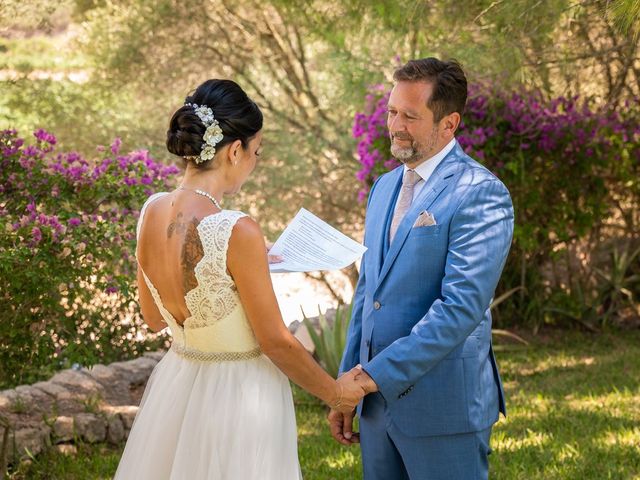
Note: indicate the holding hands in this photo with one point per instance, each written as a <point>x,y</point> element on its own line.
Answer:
<point>353,385</point>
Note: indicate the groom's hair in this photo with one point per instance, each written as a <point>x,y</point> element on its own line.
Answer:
<point>448,80</point>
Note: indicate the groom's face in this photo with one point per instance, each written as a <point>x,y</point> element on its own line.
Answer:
<point>414,134</point>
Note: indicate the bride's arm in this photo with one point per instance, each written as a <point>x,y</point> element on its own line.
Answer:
<point>247,263</point>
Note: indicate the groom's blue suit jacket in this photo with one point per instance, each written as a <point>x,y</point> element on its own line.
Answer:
<point>421,324</point>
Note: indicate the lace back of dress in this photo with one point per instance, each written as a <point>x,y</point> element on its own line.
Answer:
<point>215,296</point>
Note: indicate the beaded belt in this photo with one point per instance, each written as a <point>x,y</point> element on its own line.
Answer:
<point>215,356</point>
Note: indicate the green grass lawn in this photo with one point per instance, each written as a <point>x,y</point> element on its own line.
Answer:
<point>574,413</point>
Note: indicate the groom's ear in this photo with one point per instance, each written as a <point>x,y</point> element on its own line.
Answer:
<point>449,124</point>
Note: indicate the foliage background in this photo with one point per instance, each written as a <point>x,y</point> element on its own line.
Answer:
<point>90,71</point>
<point>93,70</point>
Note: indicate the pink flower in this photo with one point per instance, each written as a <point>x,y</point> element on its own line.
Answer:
<point>36,234</point>
<point>115,146</point>
<point>44,136</point>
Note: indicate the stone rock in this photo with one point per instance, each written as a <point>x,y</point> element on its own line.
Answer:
<point>115,430</point>
<point>34,399</point>
<point>94,405</point>
<point>64,399</point>
<point>103,374</point>
<point>127,413</point>
<point>115,382</point>
<point>56,391</point>
<point>66,449</point>
<point>294,326</point>
<point>138,370</point>
<point>24,390</point>
<point>31,441</point>
<point>7,397</point>
<point>63,429</point>
<point>77,381</point>
<point>89,427</point>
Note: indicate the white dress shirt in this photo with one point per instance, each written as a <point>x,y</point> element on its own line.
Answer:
<point>426,168</point>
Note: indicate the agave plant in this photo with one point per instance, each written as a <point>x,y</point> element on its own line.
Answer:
<point>617,283</point>
<point>331,339</point>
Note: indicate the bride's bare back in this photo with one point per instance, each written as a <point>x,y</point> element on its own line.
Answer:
<point>169,247</point>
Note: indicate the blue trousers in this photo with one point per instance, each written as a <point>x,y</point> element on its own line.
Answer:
<point>388,454</point>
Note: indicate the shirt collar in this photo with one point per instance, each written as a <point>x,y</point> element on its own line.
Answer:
<point>426,168</point>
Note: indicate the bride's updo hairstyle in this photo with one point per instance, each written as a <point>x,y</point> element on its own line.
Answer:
<point>237,115</point>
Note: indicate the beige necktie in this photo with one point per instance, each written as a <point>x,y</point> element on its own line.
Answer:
<point>409,180</point>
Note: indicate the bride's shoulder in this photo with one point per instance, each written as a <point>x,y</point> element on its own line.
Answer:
<point>246,233</point>
<point>244,225</point>
<point>143,209</point>
<point>151,198</point>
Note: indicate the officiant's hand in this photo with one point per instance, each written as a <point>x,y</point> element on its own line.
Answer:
<point>273,258</point>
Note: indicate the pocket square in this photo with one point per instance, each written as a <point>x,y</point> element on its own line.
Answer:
<point>425,219</point>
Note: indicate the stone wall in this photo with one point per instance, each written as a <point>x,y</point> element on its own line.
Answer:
<point>94,404</point>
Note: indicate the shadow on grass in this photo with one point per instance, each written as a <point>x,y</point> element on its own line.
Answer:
<point>585,366</point>
<point>567,439</point>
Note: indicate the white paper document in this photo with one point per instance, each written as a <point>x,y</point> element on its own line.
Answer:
<point>309,244</point>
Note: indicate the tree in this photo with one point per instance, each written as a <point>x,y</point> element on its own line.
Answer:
<point>308,64</point>
<point>626,16</point>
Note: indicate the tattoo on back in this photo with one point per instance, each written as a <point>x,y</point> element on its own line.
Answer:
<point>177,225</point>
<point>192,253</point>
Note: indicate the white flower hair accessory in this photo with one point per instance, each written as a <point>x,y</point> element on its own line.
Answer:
<point>212,136</point>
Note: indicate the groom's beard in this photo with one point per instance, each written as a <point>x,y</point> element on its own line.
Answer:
<point>417,151</point>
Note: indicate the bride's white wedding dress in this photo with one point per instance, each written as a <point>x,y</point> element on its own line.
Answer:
<point>214,407</point>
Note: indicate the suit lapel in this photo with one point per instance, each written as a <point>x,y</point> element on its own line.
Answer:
<point>388,194</point>
<point>430,192</point>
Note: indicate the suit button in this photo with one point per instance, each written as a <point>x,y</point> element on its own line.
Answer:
<point>376,305</point>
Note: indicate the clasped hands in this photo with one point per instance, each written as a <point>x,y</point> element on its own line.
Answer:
<point>354,385</point>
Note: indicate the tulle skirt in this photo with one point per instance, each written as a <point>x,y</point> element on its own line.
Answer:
<point>214,421</point>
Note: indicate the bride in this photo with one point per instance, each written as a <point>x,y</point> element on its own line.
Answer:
<point>219,404</point>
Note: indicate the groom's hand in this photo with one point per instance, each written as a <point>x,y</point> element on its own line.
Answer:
<point>341,426</point>
<point>363,379</point>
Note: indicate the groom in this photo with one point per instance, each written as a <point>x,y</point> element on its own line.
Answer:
<point>438,230</point>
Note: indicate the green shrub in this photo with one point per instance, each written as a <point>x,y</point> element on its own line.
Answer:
<point>67,255</point>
